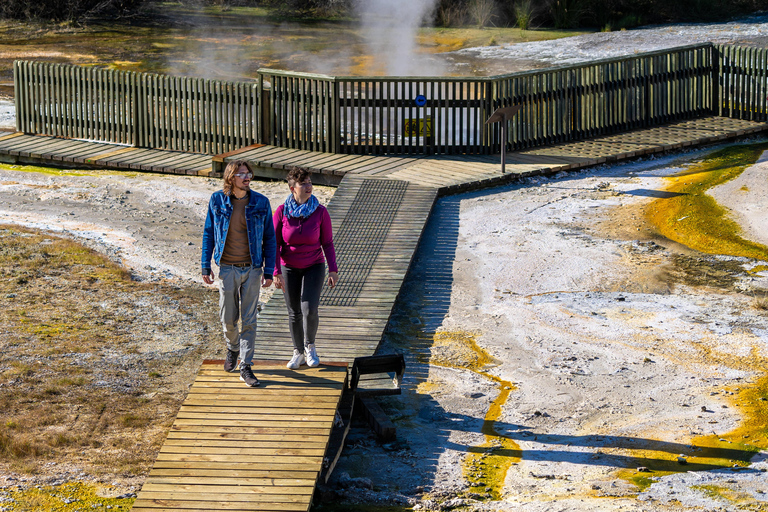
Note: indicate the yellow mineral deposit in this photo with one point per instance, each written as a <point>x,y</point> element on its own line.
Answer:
<point>693,218</point>
<point>486,465</point>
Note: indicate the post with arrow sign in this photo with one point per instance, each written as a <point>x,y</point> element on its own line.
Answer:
<point>503,115</point>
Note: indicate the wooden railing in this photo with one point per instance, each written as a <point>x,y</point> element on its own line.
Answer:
<point>139,109</point>
<point>408,115</point>
<point>575,102</point>
<point>741,87</point>
<point>392,115</point>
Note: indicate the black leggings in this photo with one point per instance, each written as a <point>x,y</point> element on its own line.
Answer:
<point>301,289</point>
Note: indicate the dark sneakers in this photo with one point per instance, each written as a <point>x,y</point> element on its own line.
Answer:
<point>231,362</point>
<point>247,376</point>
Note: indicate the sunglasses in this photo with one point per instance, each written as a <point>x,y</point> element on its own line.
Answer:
<point>244,175</point>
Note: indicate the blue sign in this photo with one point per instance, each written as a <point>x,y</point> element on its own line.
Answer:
<point>421,100</point>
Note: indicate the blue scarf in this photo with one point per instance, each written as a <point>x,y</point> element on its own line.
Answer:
<point>301,211</point>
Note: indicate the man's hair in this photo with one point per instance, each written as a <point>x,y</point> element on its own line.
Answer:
<point>297,175</point>
<point>229,174</point>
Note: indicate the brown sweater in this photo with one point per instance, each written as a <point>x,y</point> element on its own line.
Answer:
<point>236,250</point>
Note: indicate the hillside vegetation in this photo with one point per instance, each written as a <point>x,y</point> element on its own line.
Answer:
<point>600,14</point>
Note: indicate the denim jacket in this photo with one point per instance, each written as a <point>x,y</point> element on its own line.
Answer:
<point>258,220</point>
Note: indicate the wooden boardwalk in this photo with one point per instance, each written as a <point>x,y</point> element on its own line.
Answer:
<point>447,173</point>
<point>238,448</point>
<point>20,148</point>
<point>455,173</point>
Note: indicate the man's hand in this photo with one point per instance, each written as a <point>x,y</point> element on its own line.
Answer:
<point>265,283</point>
<point>208,279</point>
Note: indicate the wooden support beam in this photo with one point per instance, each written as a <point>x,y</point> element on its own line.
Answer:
<point>377,418</point>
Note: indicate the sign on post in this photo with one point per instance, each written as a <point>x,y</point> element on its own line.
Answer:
<point>502,115</point>
<point>418,127</point>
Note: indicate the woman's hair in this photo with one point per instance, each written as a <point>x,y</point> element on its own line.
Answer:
<point>297,175</point>
<point>229,174</point>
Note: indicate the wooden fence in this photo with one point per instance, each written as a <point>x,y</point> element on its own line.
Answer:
<point>606,96</point>
<point>392,115</point>
<point>741,87</point>
<point>138,109</point>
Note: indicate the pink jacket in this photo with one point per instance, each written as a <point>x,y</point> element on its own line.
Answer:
<point>301,243</point>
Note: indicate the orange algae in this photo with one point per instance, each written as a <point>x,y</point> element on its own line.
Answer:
<point>485,466</point>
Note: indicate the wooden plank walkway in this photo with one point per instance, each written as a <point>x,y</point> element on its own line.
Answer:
<point>242,449</point>
<point>447,173</point>
<point>238,448</point>
<point>20,148</point>
<point>377,228</point>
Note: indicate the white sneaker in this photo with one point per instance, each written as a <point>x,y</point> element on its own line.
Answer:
<point>311,356</point>
<point>296,361</point>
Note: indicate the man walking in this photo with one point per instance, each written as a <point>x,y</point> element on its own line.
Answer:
<point>240,236</point>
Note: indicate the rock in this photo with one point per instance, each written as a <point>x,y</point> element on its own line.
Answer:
<point>642,469</point>
<point>347,481</point>
<point>682,460</point>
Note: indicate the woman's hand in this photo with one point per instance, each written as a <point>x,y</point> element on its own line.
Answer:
<point>333,278</point>
<point>278,281</point>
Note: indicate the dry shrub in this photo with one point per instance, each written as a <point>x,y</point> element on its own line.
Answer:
<point>18,370</point>
<point>450,13</point>
<point>760,303</point>
<point>65,10</point>
<point>19,446</point>
<point>132,420</point>
<point>482,11</point>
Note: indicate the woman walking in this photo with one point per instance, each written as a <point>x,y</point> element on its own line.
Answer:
<point>304,243</point>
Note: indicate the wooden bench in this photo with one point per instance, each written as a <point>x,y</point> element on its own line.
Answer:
<point>376,376</point>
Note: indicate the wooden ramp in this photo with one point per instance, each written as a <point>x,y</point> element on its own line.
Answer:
<point>244,449</point>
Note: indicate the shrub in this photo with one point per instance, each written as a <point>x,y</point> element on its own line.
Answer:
<point>523,11</point>
<point>65,10</point>
<point>450,13</point>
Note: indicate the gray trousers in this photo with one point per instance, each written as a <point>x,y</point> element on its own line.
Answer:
<point>301,289</point>
<point>239,289</point>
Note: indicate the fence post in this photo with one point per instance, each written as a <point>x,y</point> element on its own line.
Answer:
<point>716,107</point>
<point>487,105</point>
<point>334,125</point>
<point>265,125</point>
<point>17,92</point>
